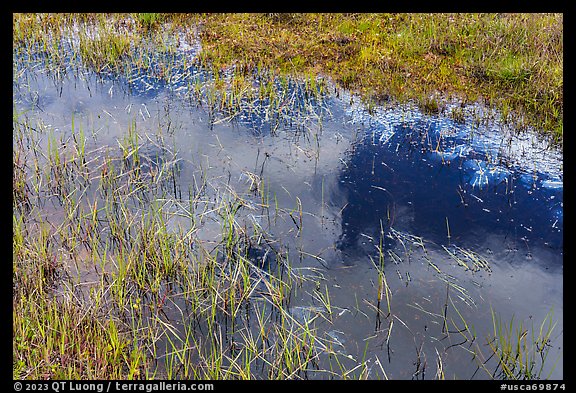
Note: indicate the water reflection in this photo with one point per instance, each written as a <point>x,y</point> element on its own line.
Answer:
<point>457,198</point>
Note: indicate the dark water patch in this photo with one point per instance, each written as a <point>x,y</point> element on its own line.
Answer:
<point>461,198</point>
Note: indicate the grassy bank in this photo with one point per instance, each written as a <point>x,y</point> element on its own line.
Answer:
<point>509,62</point>
<point>512,62</point>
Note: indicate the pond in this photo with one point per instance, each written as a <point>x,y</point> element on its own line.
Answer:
<point>415,239</point>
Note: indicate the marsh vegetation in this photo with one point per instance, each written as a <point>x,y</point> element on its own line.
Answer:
<point>190,205</point>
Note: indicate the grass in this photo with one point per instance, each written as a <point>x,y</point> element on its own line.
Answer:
<point>521,351</point>
<point>511,351</point>
<point>104,289</point>
<point>164,304</point>
<point>512,62</point>
<point>509,62</point>
<point>111,276</point>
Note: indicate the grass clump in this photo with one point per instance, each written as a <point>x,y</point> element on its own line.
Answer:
<point>521,351</point>
<point>56,339</point>
<point>148,20</point>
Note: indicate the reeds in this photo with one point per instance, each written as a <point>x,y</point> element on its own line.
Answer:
<point>520,350</point>
<point>160,301</point>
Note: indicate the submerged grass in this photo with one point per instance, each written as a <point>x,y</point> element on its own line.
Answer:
<point>520,350</point>
<point>512,350</point>
<point>108,283</point>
